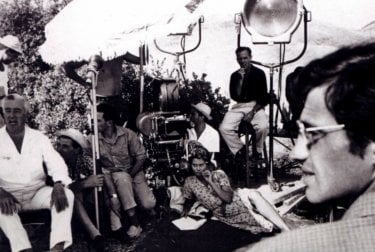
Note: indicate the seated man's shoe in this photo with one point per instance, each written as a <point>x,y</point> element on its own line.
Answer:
<point>258,161</point>
<point>134,231</point>
<point>98,243</point>
<point>256,156</point>
<point>120,235</point>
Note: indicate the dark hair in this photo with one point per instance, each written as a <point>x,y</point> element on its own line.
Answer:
<point>295,102</point>
<point>199,152</point>
<point>109,112</point>
<point>350,72</point>
<point>243,48</point>
<point>74,143</point>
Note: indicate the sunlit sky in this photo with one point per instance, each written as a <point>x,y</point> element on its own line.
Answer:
<point>345,13</point>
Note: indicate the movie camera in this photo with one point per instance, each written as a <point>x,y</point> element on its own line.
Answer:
<point>164,137</point>
<point>164,131</point>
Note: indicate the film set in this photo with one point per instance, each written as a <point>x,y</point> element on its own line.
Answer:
<point>187,125</point>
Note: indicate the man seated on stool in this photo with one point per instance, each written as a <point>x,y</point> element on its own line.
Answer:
<point>248,87</point>
<point>336,143</point>
<point>73,147</point>
<point>22,179</point>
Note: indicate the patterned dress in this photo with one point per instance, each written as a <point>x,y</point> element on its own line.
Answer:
<point>82,169</point>
<point>235,214</point>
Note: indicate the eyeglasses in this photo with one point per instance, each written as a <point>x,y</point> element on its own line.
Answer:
<point>314,134</point>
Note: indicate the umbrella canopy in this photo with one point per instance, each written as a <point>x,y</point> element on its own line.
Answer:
<point>112,27</point>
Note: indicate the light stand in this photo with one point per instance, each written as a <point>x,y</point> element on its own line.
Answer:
<point>184,51</point>
<point>95,139</point>
<point>251,9</point>
<point>141,76</point>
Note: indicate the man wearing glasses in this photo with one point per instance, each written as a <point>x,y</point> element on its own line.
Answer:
<point>336,144</point>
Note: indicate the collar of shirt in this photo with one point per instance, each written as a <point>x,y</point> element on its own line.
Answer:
<point>119,132</point>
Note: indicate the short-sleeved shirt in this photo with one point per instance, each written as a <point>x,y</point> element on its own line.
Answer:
<point>234,214</point>
<point>120,153</point>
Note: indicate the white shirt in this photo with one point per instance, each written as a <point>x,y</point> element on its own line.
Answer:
<point>4,80</point>
<point>4,74</point>
<point>25,170</point>
<point>209,138</point>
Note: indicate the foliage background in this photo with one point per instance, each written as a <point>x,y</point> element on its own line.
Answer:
<point>57,102</point>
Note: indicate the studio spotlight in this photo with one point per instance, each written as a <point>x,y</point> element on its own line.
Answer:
<point>272,21</point>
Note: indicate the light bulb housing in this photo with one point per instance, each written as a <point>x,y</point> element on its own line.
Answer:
<point>272,21</point>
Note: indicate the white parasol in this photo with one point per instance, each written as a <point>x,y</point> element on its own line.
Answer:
<point>112,27</point>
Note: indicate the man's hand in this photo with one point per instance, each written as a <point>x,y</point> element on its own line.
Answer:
<point>249,116</point>
<point>8,203</point>
<point>94,181</point>
<point>133,174</point>
<point>207,175</point>
<point>58,197</point>
<point>184,213</point>
<point>242,72</point>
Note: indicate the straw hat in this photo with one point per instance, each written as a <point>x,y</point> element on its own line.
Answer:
<point>75,135</point>
<point>11,42</point>
<point>204,109</point>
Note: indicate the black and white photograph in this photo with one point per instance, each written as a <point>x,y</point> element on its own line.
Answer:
<point>187,125</point>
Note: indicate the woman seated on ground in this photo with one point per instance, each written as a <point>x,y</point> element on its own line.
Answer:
<point>213,190</point>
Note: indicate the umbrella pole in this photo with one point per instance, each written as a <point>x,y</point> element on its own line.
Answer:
<point>95,143</point>
<point>141,77</point>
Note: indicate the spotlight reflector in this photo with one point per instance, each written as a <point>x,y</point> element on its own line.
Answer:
<point>272,21</point>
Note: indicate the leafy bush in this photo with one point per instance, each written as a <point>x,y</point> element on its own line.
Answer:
<point>55,101</point>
